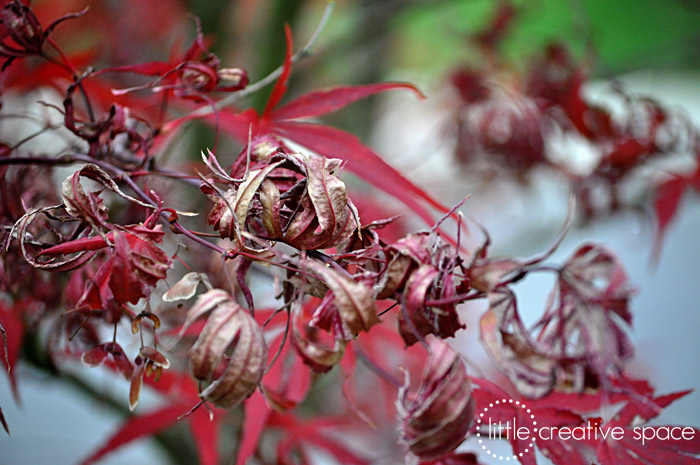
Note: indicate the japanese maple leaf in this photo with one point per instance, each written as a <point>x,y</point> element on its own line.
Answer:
<point>181,390</point>
<point>314,432</point>
<point>630,451</point>
<point>668,199</point>
<point>11,336</point>
<point>134,266</point>
<point>284,122</point>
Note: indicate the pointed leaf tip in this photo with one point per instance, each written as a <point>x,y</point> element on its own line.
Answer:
<point>281,85</point>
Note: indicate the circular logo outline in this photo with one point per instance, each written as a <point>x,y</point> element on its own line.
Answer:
<point>533,438</point>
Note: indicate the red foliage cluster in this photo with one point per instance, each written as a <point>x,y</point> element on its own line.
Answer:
<point>334,280</point>
<point>515,122</point>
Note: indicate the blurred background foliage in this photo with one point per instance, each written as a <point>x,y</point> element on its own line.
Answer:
<point>422,40</point>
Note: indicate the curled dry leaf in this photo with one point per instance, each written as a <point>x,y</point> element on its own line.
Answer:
<point>434,420</point>
<point>88,206</point>
<point>294,198</point>
<point>512,348</point>
<point>353,299</point>
<point>422,269</point>
<point>186,287</point>
<point>579,338</point>
<point>306,338</point>
<point>230,352</point>
<point>22,225</point>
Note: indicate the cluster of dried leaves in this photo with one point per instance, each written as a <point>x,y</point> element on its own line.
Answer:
<point>344,291</point>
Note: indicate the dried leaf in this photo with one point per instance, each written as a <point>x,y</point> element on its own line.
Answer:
<point>513,350</point>
<point>354,300</point>
<point>186,287</point>
<point>88,206</point>
<point>436,420</point>
<point>313,352</point>
<point>229,329</point>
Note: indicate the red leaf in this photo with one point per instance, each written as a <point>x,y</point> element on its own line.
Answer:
<point>362,161</point>
<point>668,199</point>
<point>151,68</point>
<point>205,432</point>
<point>14,332</point>
<point>281,84</point>
<point>78,245</point>
<point>137,427</point>
<point>256,416</point>
<point>236,124</point>
<point>123,280</point>
<point>329,100</point>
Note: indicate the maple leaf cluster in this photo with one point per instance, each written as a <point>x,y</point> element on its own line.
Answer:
<point>366,301</point>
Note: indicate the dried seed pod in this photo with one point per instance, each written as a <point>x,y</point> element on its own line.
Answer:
<point>437,417</point>
<point>230,351</point>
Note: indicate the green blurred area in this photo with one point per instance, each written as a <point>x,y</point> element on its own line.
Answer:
<point>625,34</point>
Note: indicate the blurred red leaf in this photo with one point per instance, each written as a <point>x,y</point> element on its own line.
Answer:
<point>138,427</point>
<point>14,332</point>
<point>326,101</point>
<point>281,85</point>
<point>205,432</point>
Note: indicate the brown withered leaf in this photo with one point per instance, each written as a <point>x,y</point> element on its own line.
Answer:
<point>186,287</point>
<point>394,278</point>
<point>319,356</point>
<point>88,206</point>
<point>513,349</point>
<point>435,421</point>
<point>337,219</point>
<point>271,206</point>
<point>584,319</point>
<point>414,316</point>
<point>245,193</point>
<point>354,300</point>
<point>230,352</point>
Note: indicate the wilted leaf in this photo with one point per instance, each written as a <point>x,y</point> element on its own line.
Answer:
<point>89,206</point>
<point>354,300</point>
<point>436,420</point>
<point>186,287</point>
<point>229,329</point>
